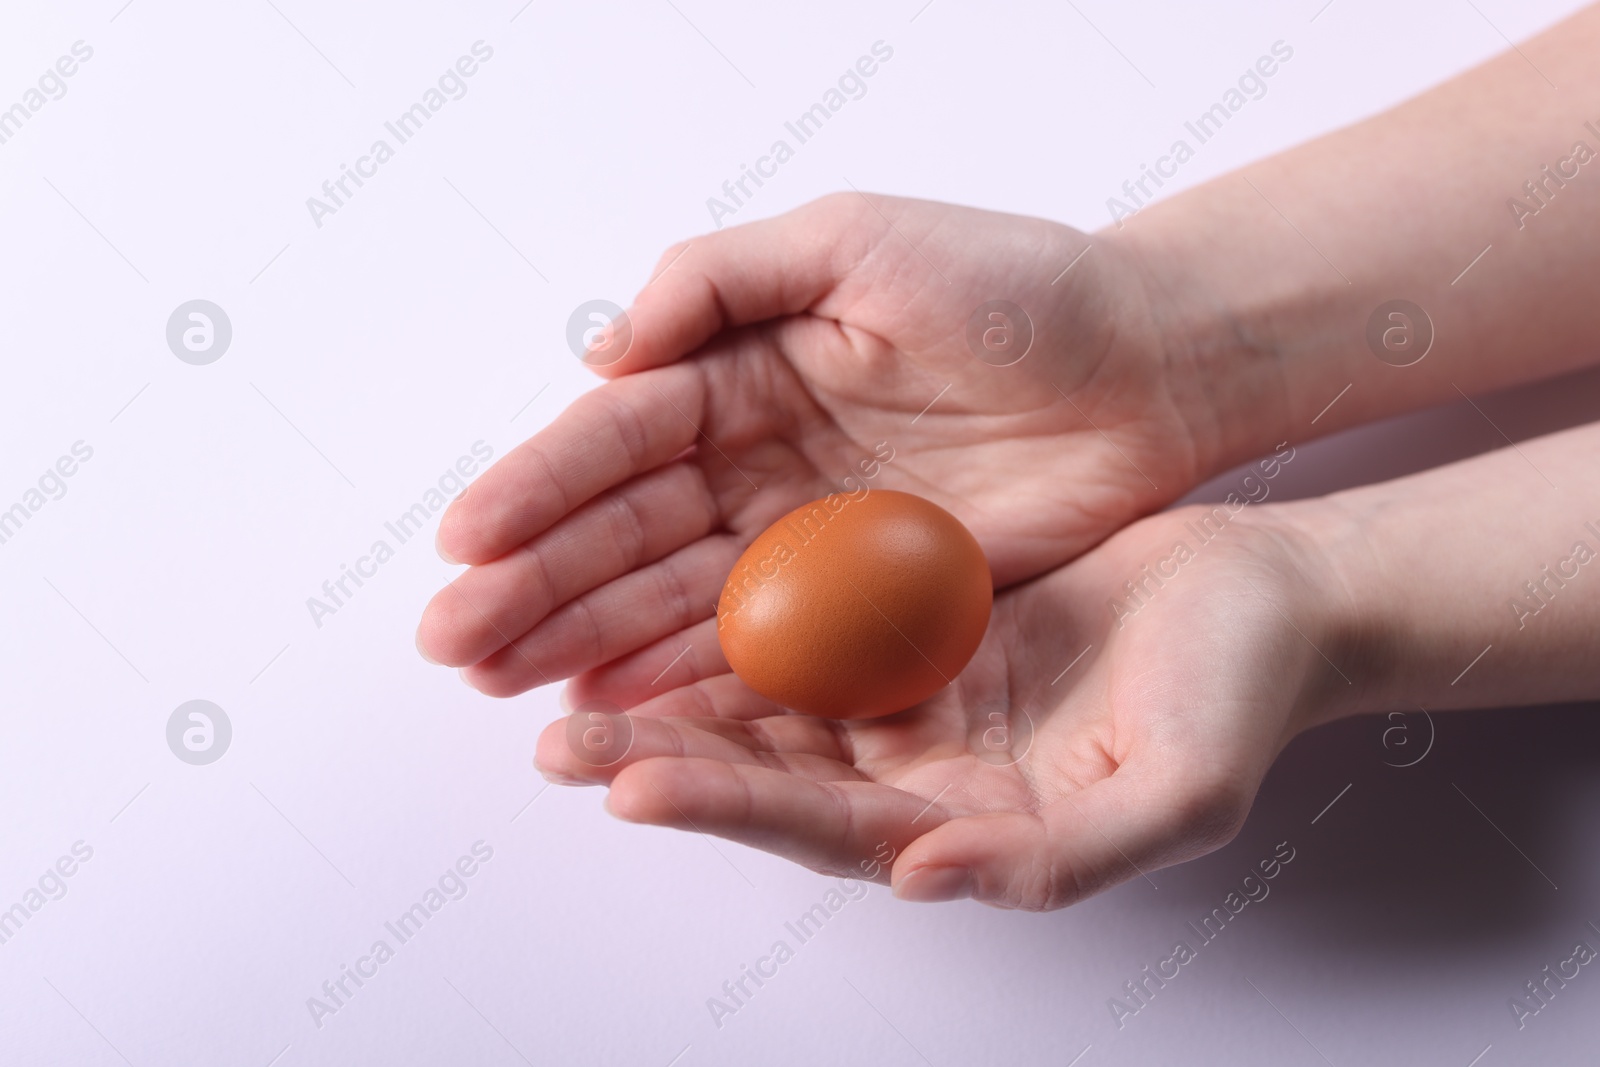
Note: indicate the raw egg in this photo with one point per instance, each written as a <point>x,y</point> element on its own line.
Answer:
<point>855,605</point>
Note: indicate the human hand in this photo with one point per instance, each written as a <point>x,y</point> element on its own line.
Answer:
<point>1082,747</point>
<point>771,362</point>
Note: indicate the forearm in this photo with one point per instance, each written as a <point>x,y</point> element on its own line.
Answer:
<point>1472,585</point>
<point>1266,278</point>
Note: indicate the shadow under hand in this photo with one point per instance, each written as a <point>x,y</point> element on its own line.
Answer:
<point>1449,846</point>
<point>1407,444</point>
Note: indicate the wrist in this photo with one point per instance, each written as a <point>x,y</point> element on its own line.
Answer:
<point>1336,574</point>
<point>1221,326</point>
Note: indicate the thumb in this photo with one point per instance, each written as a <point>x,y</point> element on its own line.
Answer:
<point>1136,821</point>
<point>734,277</point>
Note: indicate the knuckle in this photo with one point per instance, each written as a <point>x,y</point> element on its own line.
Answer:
<point>629,530</point>
<point>835,203</point>
<point>1047,886</point>
<point>672,592</point>
<point>841,211</point>
<point>624,421</point>
<point>588,633</point>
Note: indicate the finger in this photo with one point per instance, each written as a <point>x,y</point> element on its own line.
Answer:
<point>679,659</point>
<point>594,749</point>
<point>741,275</point>
<point>723,696</point>
<point>1125,826</point>
<point>605,437</point>
<point>623,615</point>
<point>841,828</point>
<point>611,535</point>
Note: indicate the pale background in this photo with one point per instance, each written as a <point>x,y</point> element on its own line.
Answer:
<point>373,352</point>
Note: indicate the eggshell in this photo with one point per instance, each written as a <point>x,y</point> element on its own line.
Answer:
<point>856,605</point>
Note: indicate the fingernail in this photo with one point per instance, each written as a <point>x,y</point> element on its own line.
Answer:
<point>557,778</point>
<point>564,698</point>
<point>424,652</point>
<point>931,885</point>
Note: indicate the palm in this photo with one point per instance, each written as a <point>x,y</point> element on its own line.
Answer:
<point>799,350</point>
<point>1022,754</point>
<point>1041,457</point>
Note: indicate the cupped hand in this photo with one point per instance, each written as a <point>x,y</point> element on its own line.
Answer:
<point>773,363</point>
<point>1096,737</point>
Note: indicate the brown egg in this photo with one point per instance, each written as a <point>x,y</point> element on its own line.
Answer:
<point>856,605</point>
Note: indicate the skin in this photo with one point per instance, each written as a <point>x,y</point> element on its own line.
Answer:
<point>1154,740</point>
<point>1149,750</point>
<point>769,359</point>
<point>814,337</point>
